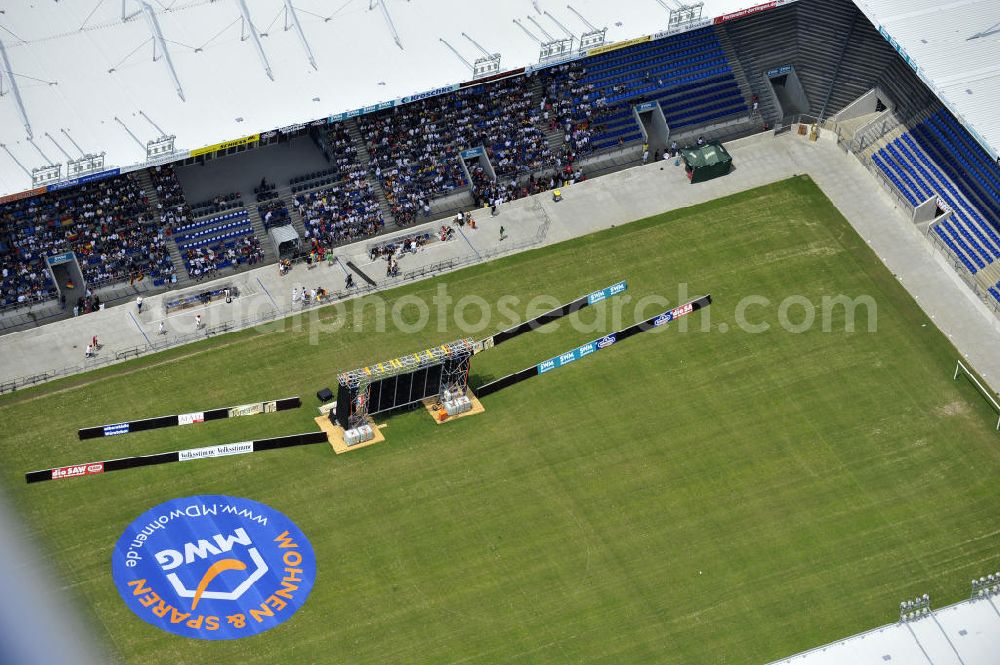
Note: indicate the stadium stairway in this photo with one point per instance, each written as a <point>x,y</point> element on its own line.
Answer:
<point>823,30</point>
<point>839,96</point>
<point>142,175</point>
<point>179,270</point>
<point>366,161</point>
<point>555,137</point>
<point>285,194</point>
<point>258,225</point>
<point>761,42</point>
<point>864,61</point>
<point>766,104</point>
<point>154,204</point>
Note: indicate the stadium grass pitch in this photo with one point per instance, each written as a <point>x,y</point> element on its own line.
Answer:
<point>684,497</point>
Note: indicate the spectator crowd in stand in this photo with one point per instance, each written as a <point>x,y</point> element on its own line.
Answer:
<point>172,207</point>
<point>415,155</point>
<point>415,148</point>
<point>574,107</point>
<point>339,150</point>
<point>206,262</point>
<point>341,213</point>
<point>107,223</point>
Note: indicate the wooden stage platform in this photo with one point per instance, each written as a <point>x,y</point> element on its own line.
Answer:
<point>335,433</point>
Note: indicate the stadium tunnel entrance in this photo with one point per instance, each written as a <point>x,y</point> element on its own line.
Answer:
<point>787,90</point>
<point>653,124</point>
<point>474,158</point>
<point>67,276</point>
<point>286,241</point>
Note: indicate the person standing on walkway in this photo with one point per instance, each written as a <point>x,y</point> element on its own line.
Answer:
<point>89,353</point>
<point>197,321</point>
<point>503,234</point>
<point>163,328</point>
<point>138,304</point>
<point>645,154</point>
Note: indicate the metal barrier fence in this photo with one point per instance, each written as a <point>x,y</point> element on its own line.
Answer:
<point>981,292</point>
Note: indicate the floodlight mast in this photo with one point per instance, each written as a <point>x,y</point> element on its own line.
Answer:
<point>47,173</point>
<point>39,150</point>
<point>486,54</point>
<point>59,147</point>
<point>129,131</point>
<point>457,54</point>
<point>527,32</point>
<point>541,29</point>
<point>15,159</point>
<point>562,27</point>
<point>594,36</point>
<point>682,13</point>
<point>587,23</point>
<point>150,121</point>
<point>66,134</point>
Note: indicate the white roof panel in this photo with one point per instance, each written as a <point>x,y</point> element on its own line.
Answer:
<point>79,66</point>
<point>955,46</point>
<point>966,633</point>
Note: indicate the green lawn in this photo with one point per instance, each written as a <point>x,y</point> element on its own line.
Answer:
<point>684,497</point>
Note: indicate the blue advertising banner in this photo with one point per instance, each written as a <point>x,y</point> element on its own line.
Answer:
<point>899,48</point>
<point>778,71</point>
<point>577,353</point>
<point>59,259</point>
<point>118,428</point>
<point>472,152</point>
<point>608,340</point>
<point>430,93</point>
<point>213,567</point>
<point>604,294</point>
<point>592,347</point>
<point>381,106</point>
<point>92,177</point>
<point>645,106</point>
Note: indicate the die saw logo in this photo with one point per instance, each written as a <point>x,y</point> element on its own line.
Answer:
<point>214,567</point>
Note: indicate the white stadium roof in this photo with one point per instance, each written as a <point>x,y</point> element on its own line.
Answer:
<point>967,633</point>
<point>87,80</point>
<point>956,49</point>
<point>83,71</point>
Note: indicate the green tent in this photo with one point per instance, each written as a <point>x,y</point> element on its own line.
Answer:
<point>706,162</point>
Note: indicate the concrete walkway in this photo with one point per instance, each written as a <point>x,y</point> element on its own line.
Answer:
<point>613,199</point>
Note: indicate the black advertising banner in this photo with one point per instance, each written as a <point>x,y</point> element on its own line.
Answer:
<point>188,455</point>
<point>558,312</point>
<point>594,346</point>
<point>189,418</point>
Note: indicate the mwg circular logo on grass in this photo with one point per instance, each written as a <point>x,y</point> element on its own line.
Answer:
<point>213,567</point>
